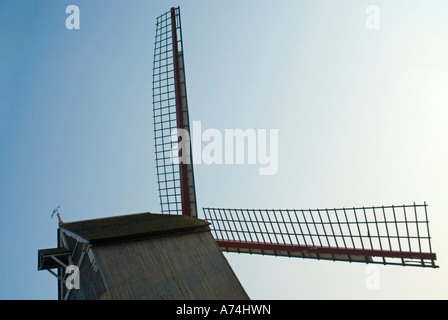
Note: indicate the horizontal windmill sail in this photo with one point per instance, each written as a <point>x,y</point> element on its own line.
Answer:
<point>389,235</point>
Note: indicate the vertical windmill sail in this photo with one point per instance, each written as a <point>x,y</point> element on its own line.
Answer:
<point>170,111</point>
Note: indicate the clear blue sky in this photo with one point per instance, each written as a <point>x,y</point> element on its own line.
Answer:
<point>361,116</point>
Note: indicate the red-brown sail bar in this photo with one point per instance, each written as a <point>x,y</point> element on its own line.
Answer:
<point>186,209</point>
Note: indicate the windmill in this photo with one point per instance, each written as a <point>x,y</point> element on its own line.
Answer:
<point>388,235</point>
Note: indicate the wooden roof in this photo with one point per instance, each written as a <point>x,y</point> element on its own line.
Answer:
<point>133,227</point>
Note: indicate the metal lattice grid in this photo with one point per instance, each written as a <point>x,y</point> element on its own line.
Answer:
<point>386,235</point>
<point>165,99</point>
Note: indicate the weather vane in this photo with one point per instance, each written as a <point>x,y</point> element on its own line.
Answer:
<point>56,212</point>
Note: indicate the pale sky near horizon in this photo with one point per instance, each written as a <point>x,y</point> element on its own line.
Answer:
<point>361,116</point>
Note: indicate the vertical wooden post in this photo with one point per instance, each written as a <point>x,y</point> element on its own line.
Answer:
<point>186,209</point>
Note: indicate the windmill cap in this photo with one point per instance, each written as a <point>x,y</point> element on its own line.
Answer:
<point>133,227</point>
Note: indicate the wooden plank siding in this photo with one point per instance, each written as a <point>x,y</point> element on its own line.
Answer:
<point>91,282</point>
<point>185,266</point>
<point>145,256</point>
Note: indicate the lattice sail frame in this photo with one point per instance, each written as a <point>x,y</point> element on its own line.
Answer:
<point>397,235</point>
<point>170,112</point>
